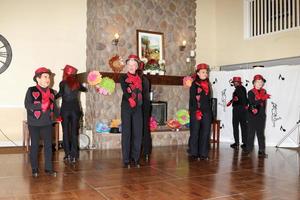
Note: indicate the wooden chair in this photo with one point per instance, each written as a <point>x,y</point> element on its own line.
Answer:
<point>216,126</point>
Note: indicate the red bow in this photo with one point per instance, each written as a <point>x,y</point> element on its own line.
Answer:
<point>205,86</point>
<point>45,98</point>
<point>261,94</point>
<point>135,80</point>
<point>199,115</point>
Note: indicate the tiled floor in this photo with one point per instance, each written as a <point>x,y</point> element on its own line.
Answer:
<point>169,175</point>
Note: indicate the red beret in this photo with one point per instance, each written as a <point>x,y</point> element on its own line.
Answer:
<point>237,79</point>
<point>137,59</point>
<point>40,71</point>
<point>202,66</point>
<point>70,70</point>
<point>258,77</point>
<point>133,56</point>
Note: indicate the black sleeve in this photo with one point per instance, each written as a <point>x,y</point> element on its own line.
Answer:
<point>82,88</point>
<point>55,109</point>
<point>29,105</point>
<point>192,99</point>
<point>146,88</point>
<point>241,93</point>
<point>61,90</point>
<point>124,87</point>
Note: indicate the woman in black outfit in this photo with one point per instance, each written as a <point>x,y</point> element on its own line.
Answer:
<point>146,108</point>
<point>41,110</point>
<point>71,112</point>
<point>257,115</point>
<point>200,114</point>
<point>131,113</point>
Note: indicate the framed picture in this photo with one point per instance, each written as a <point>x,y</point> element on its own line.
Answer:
<point>150,45</point>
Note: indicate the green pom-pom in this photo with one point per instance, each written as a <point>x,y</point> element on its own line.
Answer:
<point>108,84</point>
<point>183,116</point>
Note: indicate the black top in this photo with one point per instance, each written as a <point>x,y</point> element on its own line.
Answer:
<point>35,116</point>
<point>204,103</point>
<point>129,92</point>
<point>260,105</point>
<point>241,93</point>
<point>146,91</point>
<point>70,98</point>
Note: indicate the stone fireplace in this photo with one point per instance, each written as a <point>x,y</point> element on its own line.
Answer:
<point>174,18</point>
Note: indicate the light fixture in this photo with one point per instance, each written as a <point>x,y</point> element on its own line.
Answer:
<point>182,47</point>
<point>115,41</point>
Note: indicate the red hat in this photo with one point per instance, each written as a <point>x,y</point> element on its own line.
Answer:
<point>133,56</point>
<point>258,77</point>
<point>40,71</point>
<point>137,59</point>
<point>201,66</point>
<point>70,70</point>
<point>236,79</point>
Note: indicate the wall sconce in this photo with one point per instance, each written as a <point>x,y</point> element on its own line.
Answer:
<point>191,62</point>
<point>115,41</point>
<point>182,47</point>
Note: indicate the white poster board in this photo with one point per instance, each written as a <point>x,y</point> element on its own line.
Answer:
<point>283,109</point>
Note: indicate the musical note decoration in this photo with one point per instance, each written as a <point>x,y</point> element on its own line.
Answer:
<point>280,77</point>
<point>247,83</point>
<point>282,129</point>
<point>215,81</point>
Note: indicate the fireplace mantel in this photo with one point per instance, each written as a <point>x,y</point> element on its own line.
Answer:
<point>154,79</point>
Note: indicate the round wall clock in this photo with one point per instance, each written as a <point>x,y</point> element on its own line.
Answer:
<point>5,54</point>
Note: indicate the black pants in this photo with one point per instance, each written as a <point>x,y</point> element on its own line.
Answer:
<point>36,132</point>
<point>256,126</point>
<point>132,133</point>
<point>199,140</point>
<point>239,117</point>
<point>70,126</point>
<point>147,141</point>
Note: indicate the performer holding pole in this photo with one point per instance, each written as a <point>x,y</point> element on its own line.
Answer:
<point>200,114</point>
<point>239,104</point>
<point>257,115</point>
<point>131,113</point>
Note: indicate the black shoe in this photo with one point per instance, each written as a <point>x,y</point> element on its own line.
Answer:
<point>35,173</point>
<point>193,157</point>
<point>73,160</point>
<point>234,146</point>
<point>137,164</point>
<point>67,158</point>
<point>147,157</point>
<point>126,165</point>
<point>243,146</point>
<point>204,158</point>
<point>51,173</point>
<point>262,154</point>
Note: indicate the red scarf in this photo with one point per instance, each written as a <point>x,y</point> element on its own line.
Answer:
<point>261,94</point>
<point>135,81</point>
<point>204,85</point>
<point>45,97</point>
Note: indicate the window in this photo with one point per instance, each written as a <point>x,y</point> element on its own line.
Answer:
<point>269,16</point>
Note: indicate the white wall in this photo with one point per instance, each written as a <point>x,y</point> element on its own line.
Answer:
<point>206,32</point>
<point>49,33</point>
<point>220,36</point>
